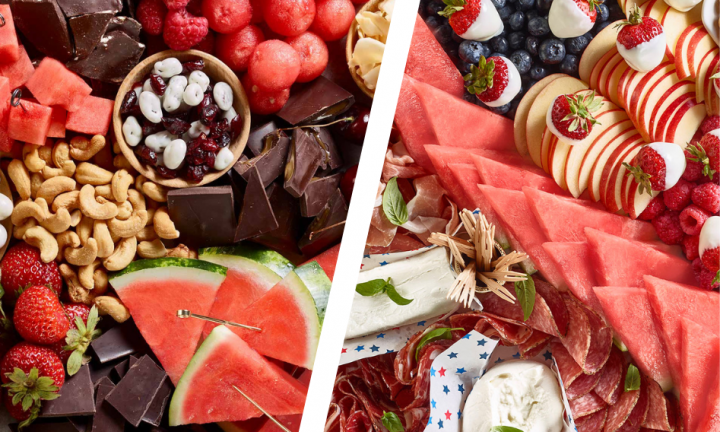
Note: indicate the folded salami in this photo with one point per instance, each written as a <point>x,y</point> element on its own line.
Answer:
<point>639,412</point>
<point>534,345</point>
<point>620,412</point>
<point>586,405</point>
<point>405,362</point>
<point>568,367</point>
<point>601,341</point>
<point>593,422</point>
<point>660,414</point>
<point>610,378</point>
<point>583,385</point>
<point>579,335</point>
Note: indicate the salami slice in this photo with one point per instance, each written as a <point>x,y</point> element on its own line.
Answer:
<point>660,415</point>
<point>569,369</point>
<point>600,341</point>
<point>583,385</point>
<point>509,331</point>
<point>639,412</point>
<point>405,362</point>
<point>610,377</point>
<point>578,337</point>
<point>358,422</point>
<point>555,302</point>
<point>620,412</point>
<point>533,346</point>
<point>593,422</point>
<point>466,321</point>
<point>586,405</point>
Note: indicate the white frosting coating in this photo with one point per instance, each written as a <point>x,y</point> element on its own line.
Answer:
<point>486,26</point>
<point>567,20</point>
<point>647,55</point>
<point>710,234</point>
<point>6,207</point>
<point>675,162</point>
<point>513,86</point>
<point>682,5</point>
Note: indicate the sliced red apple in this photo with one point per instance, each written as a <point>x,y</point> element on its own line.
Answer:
<point>608,72</point>
<point>523,109</point>
<point>598,47</point>
<point>667,103</point>
<point>599,68</point>
<point>675,22</point>
<point>635,201</point>
<point>704,73</point>
<point>613,195</point>
<point>644,85</point>
<point>546,144</point>
<point>596,168</point>
<point>686,122</point>
<point>682,49</point>
<point>660,90</point>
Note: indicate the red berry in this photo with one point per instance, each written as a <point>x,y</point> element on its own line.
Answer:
<point>39,316</point>
<point>347,183</point>
<point>704,276</point>
<point>227,16</point>
<point>692,219</point>
<point>151,14</point>
<point>710,124</point>
<point>711,259</point>
<point>461,20</point>
<point>289,17</point>
<point>16,411</point>
<point>73,311</point>
<point>707,196</point>
<point>655,208</point>
<point>274,66</point>
<point>257,10</point>
<point>668,227</point>
<point>207,44</point>
<point>176,4</point>
<point>710,143</point>
<point>21,267</point>
<point>183,31</point>
<point>313,55</point>
<point>26,356</point>
<point>678,196</point>
<point>693,169</point>
<point>652,164</point>
<point>631,36</point>
<point>262,102</point>
<point>690,247</point>
<point>571,115</point>
<point>236,49</point>
<point>333,18</point>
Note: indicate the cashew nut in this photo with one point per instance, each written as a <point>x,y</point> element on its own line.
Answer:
<point>100,280</point>
<point>151,249</point>
<point>29,209</point>
<point>125,210</point>
<point>121,182</point>
<point>83,255</point>
<point>61,159</point>
<point>182,251</point>
<point>91,174</point>
<point>19,231</point>
<point>68,200</point>
<point>104,191</point>
<point>139,181</point>
<point>84,229</point>
<point>123,255</point>
<point>83,149</point>
<point>121,162</point>
<point>77,292</point>
<point>36,180</point>
<point>137,200</point>
<point>20,177</point>
<point>129,227</point>
<point>164,226</point>
<point>45,152</point>
<point>108,305</point>
<point>32,159</point>
<point>43,240</point>
<point>65,240</point>
<point>75,217</point>
<point>147,234</point>
<point>58,222</point>
<point>101,234</point>
<point>86,274</point>
<point>155,191</point>
<point>116,147</point>
<point>53,187</point>
<point>92,208</point>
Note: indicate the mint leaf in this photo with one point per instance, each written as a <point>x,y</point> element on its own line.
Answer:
<point>371,288</point>
<point>632,379</point>
<point>393,203</point>
<point>392,422</point>
<point>434,335</point>
<point>505,429</point>
<point>395,296</point>
<point>525,293</point>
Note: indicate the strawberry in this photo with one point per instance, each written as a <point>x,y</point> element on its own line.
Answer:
<point>710,124</point>
<point>657,166</point>
<point>495,81</point>
<point>571,116</point>
<point>464,15</point>
<point>71,349</point>
<point>572,18</point>
<point>707,152</point>
<point>21,267</point>
<point>641,41</point>
<point>39,316</point>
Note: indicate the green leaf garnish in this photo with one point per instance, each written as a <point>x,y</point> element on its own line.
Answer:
<point>717,278</point>
<point>525,293</point>
<point>632,379</point>
<point>392,422</point>
<point>435,335</point>
<point>395,296</point>
<point>698,154</point>
<point>451,6</point>
<point>505,429</point>
<point>641,177</point>
<point>377,286</point>
<point>393,203</point>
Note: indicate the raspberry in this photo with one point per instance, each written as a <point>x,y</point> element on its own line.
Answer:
<point>262,102</point>
<point>151,14</point>
<point>711,259</point>
<point>176,5</point>
<point>707,196</point>
<point>227,16</point>
<point>313,55</point>
<point>332,18</point>
<point>207,44</point>
<point>690,247</point>
<point>710,124</point>
<point>693,169</point>
<point>668,227</point>
<point>692,219</point>
<point>678,196</point>
<point>655,208</point>
<point>183,31</point>
<point>236,49</point>
<point>705,278</point>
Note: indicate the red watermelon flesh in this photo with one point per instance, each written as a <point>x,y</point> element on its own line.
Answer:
<point>573,262</point>
<point>459,155</point>
<point>622,262</point>
<point>671,302</point>
<point>504,176</point>
<point>54,84</point>
<point>205,394</point>
<point>454,188</point>
<point>428,62</point>
<point>327,260</point>
<point>629,312</point>
<point>699,364</point>
<point>411,121</point>
<point>513,210</point>
<point>6,143</point>
<point>458,123</point>
<point>92,117</point>
<point>711,423</point>
<point>57,122</point>
<point>29,123</point>
<point>549,208</point>
<point>9,48</point>
<point>19,71</point>
<point>4,98</point>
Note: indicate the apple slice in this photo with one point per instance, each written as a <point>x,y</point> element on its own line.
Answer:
<point>610,67</point>
<point>704,72</point>
<point>658,92</point>
<point>623,84</point>
<point>613,83</point>
<point>666,102</point>
<point>712,100</point>
<point>634,201</point>
<point>613,194</point>
<point>643,86</point>
<point>596,182</point>
<point>633,81</point>
<point>523,109</point>
<point>686,123</point>
<point>675,22</point>
<point>683,58</point>
<point>547,143</point>
<point>599,68</point>
<point>598,47</point>
<point>701,44</point>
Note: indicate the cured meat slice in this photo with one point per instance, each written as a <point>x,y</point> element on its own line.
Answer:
<point>466,321</point>
<point>600,341</point>
<point>621,411</point>
<point>421,386</point>
<point>610,378</point>
<point>660,415</point>
<point>583,385</point>
<point>509,331</point>
<point>567,366</point>
<point>555,302</point>
<point>586,405</point>
<point>593,422</point>
<point>639,412</point>
<point>578,338</point>
<point>533,346</point>
<point>405,363</point>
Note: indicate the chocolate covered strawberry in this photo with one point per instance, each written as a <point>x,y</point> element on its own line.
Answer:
<point>473,19</point>
<point>710,154</point>
<point>572,18</point>
<point>495,81</point>
<point>641,41</point>
<point>570,117</point>
<point>657,167</point>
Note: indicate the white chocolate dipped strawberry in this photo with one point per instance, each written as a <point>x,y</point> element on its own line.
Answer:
<point>495,81</point>
<point>570,117</point>
<point>709,244</point>
<point>682,5</point>
<point>572,18</point>
<point>641,41</point>
<point>473,19</point>
<point>658,166</point>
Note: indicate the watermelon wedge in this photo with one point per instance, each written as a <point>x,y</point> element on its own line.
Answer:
<point>29,124</point>
<point>327,260</point>
<point>505,176</point>
<point>622,262</point>
<point>455,189</point>
<point>224,360</point>
<point>54,84</point>
<point>572,260</point>
<point>711,423</point>
<point>411,121</point>
<point>629,312</point>
<point>9,48</point>
<point>699,363</point>
<point>19,71</point>
<point>459,155</point>
<point>317,282</point>
<point>549,208</point>
<point>154,290</point>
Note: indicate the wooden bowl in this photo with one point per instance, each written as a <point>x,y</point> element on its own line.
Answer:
<point>352,39</point>
<point>217,71</point>
<point>5,190</point>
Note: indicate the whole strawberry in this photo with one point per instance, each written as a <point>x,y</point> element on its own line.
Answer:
<point>464,17</point>
<point>39,317</point>
<point>494,81</point>
<point>21,267</point>
<point>707,152</point>
<point>657,167</point>
<point>570,117</point>
<point>71,350</point>
<point>641,41</point>
<point>581,13</point>
<point>183,31</point>
<point>710,124</point>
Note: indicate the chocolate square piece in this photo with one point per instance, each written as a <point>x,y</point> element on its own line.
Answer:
<point>106,419</point>
<point>270,163</point>
<point>74,8</point>
<point>127,25</point>
<point>318,101</point>
<point>332,158</point>
<point>317,194</point>
<point>287,213</point>
<point>45,426</point>
<point>118,342</point>
<point>326,229</point>
<point>111,60</point>
<point>98,370</point>
<point>42,22</point>
<point>204,216</point>
<point>256,140</point>
<point>77,397</point>
<point>82,424</point>
<point>156,410</point>
<point>136,391</point>
<point>256,216</point>
<point>87,31</point>
<point>303,160</point>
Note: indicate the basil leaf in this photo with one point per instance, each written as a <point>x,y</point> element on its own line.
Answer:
<point>632,379</point>
<point>371,288</point>
<point>392,422</point>
<point>434,335</point>
<point>393,203</point>
<point>395,296</point>
<point>505,429</point>
<point>525,292</point>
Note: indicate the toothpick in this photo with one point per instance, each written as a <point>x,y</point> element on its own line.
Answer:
<point>183,313</point>
<point>274,420</point>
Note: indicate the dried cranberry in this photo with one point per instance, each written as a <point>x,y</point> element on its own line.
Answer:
<point>209,161</point>
<point>149,128</point>
<point>208,114</point>
<point>210,146</point>
<point>218,128</point>
<point>166,172</point>
<point>223,140</point>
<point>193,144</point>
<point>194,65</point>
<point>236,126</point>
<point>207,100</point>
<point>175,126</point>
<point>146,155</point>
<point>194,173</point>
<point>130,103</point>
<point>158,84</point>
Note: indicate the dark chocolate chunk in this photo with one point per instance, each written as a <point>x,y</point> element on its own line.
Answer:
<point>106,419</point>
<point>256,216</point>
<point>121,369</point>
<point>317,194</point>
<point>98,370</point>
<point>156,410</point>
<point>327,228</point>
<point>270,163</point>
<point>74,8</point>
<point>87,31</point>
<point>318,101</point>
<point>287,212</point>
<point>256,140</point>
<point>42,22</point>
<point>127,25</point>
<point>82,424</point>
<point>113,58</point>
<point>303,161</point>
<point>204,216</point>
<point>332,159</point>
<point>77,397</point>
<point>136,391</point>
<point>45,426</point>
<point>118,342</point>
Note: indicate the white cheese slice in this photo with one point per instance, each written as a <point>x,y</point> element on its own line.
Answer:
<point>425,278</point>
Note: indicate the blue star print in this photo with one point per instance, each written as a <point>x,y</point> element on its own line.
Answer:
<point>467,336</point>
<point>460,371</point>
<point>381,335</point>
<point>547,355</point>
<point>366,256</point>
<point>516,355</point>
<point>453,355</point>
<point>360,348</point>
<point>432,402</point>
<point>481,342</point>
<point>374,348</point>
<point>432,371</point>
<point>440,424</point>
<point>421,323</point>
<point>430,421</point>
<point>384,263</point>
<point>389,351</point>
<point>461,389</point>
<point>459,415</point>
<point>484,356</point>
<point>446,390</point>
<point>499,360</point>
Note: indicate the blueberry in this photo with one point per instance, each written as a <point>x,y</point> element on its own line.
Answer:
<point>443,34</point>
<point>576,45</point>
<point>469,97</point>
<point>531,45</point>
<point>522,61</point>
<point>525,5</point>
<point>600,26</point>
<point>470,51</point>
<point>544,5</point>
<point>531,14</point>
<point>502,110</point>
<point>516,40</point>
<point>538,72</point>
<point>434,21</point>
<point>517,20</point>
<point>500,44</point>
<point>589,36</point>
<point>499,3</point>
<point>570,64</point>
<point>433,8</point>
<point>505,12</point>
<point>551,51</point>
<point>538,27</point>
<point>603,13</point>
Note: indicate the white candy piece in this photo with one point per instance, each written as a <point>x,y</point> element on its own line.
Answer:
<point>174,154</point>
<point>147,86</point>
<point>173,98</point>
<point>229,114</point>
<point>223,159</point>
<point>157,142</point>
<point>151,107</point>
<point>197,128</point>
<point>168,68</point>
<point>132,131</point>
<point>200,78</point>
<point>3,236</point>
<point>223,94</point>
<point>193,94</point>
<point>6,207</point>
<point>138,90</point>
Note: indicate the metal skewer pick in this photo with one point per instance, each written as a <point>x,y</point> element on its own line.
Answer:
<point>183,313</point>
<point>280,425</point>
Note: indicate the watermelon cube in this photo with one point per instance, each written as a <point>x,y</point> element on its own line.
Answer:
<point>29,123</point>
<point>92,117</point>
<point>54,84</point>
<point>19,71</point>
<point>4,97</point>
<point>6,142</point>
<point>9,48</point>
<point>57,122</point>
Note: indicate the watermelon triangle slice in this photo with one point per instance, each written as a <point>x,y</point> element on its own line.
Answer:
<point>622,262</point>
<point>317,282</point>
<point>225,361</point>
<point>572,260</point>
<point>505,176</point>
<point>450,155</point>
<point>327,260</point>
<point>699,363</point>
<point>711,423</point>
<point>154,290</point>
<point>411,120</point>
<point>629,312</point>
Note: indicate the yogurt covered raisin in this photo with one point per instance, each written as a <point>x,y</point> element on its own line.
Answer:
<point>151,107</point>
<point>132,131</point>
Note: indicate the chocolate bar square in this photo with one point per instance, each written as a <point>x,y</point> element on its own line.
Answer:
<point>42,22</point>
<point>270,163</point>
<point>74,8</point>
<point>286,209</point>
<point>77,397</point>
<point>205,216</point>
<point>256,216</point>
<point>303,160</point>
<point>318,193</point>
<point>332,159</point>
<point>256,140</point>
<point>111,60</point>
<point>134,394</point>
<point>106,419</point>
<point>327,228</point>
<point>320,100</point>
<point>118,342</point>
<point>87,31</point>
<point>156,410</point>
